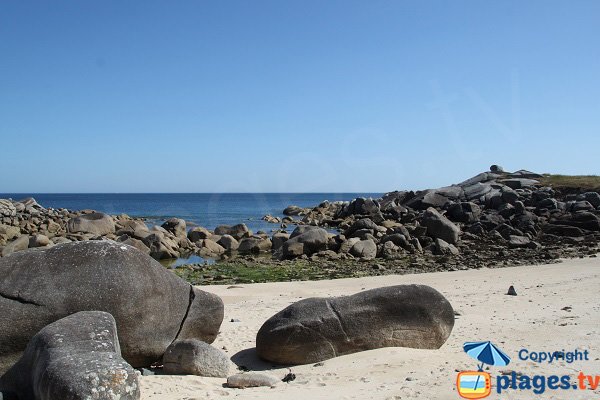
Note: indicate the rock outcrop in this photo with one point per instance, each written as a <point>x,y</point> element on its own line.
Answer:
<point>450,221</point>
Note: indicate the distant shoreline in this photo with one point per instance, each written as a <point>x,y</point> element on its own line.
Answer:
<point>495,218</point>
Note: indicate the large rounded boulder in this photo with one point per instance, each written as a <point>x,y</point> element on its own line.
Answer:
<point>317,329</point>
<point>151,305</point>
<point>95,223</point>
<point>305,240</point>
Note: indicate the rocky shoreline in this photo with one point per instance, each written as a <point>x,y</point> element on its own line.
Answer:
<point>493,219</point>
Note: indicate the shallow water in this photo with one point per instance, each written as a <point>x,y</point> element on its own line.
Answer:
<point>192,259</point>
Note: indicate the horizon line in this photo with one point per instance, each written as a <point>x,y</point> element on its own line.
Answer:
<point>34,193</point>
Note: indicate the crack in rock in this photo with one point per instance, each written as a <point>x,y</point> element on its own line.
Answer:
<point>187,311</point>
<point>20,299</point>
<point>339,318</point>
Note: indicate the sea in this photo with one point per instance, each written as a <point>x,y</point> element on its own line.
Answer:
<point>197,209</point>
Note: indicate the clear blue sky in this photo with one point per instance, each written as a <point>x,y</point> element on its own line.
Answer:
<point>277,96</point>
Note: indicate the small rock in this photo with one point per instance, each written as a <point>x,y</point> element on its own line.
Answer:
<point>254,245</point>
<point>444,248</point>
<point>198,233</point>
<point>194,357</point>
<point>176,226</point>
<point>8,233</point>
<point>39,240</point>
<point>271,219</point>
<point>293,210</point>
<point>289,377</point>
<point>516,241</point>
<point>279,239</point>
<point>133,242</point>
<point>440,227</point>
<point>19,244</point>
<point>228,242</point>
<point>252,379</point>
<point>366,249</point>
<point>511,291</point>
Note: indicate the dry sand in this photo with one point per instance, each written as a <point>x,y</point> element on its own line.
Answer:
<point>534,320</point>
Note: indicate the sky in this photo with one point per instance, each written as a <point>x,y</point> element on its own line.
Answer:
<point>293,96</point>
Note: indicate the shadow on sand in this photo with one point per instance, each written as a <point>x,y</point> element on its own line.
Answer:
<point>248,360</point>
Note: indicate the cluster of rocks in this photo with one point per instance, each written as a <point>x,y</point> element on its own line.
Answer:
<point>148,305</point>
<point>77,318</point>
<point>501,211</point>
<point>26,224</point>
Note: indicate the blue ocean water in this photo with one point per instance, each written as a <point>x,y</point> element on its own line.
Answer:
<point>204,209</point>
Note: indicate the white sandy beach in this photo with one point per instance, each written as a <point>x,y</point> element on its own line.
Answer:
<point>533,320</point>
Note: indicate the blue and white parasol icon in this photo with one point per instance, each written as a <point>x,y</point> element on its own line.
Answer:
<point>487,353</point>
